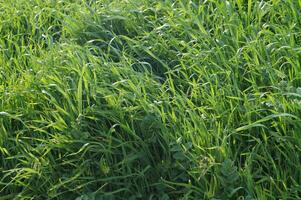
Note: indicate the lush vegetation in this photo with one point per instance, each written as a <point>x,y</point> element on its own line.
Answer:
<point>142,99</point>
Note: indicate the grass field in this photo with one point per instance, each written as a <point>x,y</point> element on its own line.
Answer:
<point>144,99</point>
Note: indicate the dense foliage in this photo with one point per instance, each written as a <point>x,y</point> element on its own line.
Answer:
<point>142,99</point>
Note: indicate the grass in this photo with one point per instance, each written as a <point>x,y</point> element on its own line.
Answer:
<point>150,99</point>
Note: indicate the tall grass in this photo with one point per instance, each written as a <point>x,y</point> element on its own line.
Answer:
<point>150,99</point>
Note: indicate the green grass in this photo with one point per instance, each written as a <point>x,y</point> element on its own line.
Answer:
<point>142,99</point>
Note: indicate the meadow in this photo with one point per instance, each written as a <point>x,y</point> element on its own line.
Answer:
<point>144,99</point>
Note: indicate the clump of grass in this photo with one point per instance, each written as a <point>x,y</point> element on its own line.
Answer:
<point>150,100</point>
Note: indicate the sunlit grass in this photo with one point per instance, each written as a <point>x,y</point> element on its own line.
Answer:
<point>150,99</point>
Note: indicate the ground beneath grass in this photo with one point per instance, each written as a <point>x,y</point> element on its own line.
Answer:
<point>143,99</point>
